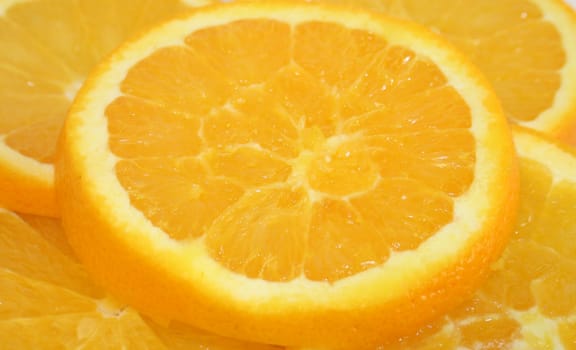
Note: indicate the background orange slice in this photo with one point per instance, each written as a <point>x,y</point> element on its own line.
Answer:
<point>46,50</point>
<point>48,302</point>
<point>526,48</point>
<point>528,302</point>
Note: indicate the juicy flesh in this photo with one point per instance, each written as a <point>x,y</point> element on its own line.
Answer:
<point>511,41</point>
<point>46,50</point>
<point>48,302</point>
<point>313,150</point>
<point>530,298</point>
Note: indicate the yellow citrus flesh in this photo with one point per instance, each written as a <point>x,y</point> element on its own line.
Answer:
<point>529,301</point>
<point>568,134</point>
<point>46,50</point>
<point>288,174</point>
<point>526,48</point>
<point>48,302</point>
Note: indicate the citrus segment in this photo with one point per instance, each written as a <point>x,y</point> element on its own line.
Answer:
<point>275,221</point>
<point>343,242</point>
<point>526,49</point>
<point>188,216</point>
<point>126,140</point>
<point>410,116</point>
<point>400,199</point>
<point>51,231</point>
<point>568,134</point>
<point>318,49</point>
<point>28,254</point>
<point>567,333</point>
<point>79,330</point>
<point>26,297</point>
<point>557,213</point>
<point>192,91</point>
<point>46,50</point>
<point>183,337</point>
<point>240,236</point>
<point>259,48</point>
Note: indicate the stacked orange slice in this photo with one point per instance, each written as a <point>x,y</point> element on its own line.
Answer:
<point>49,302</point>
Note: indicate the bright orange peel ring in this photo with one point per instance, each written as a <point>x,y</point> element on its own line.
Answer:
<point>288,174</point>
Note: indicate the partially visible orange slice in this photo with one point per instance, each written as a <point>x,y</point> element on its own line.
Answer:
<point>526,48</point>
<point>288,174</point>
<point>529,301</point>
<point>46,50</point>
<point>48,302</point>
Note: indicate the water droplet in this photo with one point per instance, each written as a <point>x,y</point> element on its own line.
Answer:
<point>368,263</point>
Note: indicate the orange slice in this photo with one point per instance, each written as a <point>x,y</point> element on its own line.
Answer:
<point>288,174</point>
<point>48,302</point>
<point>46,50</point>
<point>526,48</point>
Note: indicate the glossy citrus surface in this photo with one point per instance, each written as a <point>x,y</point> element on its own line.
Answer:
<point>288,174</point>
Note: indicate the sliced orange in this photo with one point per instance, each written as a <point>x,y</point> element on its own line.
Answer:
<point>46,50</point>
<point>526,48</point>
<point>48,302</point>
<point>529,302</point>
<point>288,174</point>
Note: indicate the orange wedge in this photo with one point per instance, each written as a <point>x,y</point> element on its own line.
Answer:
<point>526,48</point>
<point>288,174</point>
<point>46,50</point>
